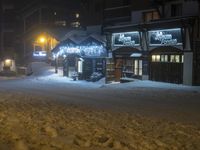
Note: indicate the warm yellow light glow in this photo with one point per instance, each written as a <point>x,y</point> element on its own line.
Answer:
<point>8,62</point>
<point>42,39</point>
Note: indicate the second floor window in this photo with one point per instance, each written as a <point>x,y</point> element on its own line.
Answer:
<point>176,10</point>
<point>151,15</point>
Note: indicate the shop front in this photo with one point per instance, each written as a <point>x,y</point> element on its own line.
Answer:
<point>82,59</point>
<point>160,50</point>
<point>166,65</point>
<point>128,63</point>
<point>166,56</point>
<point>128,58</point>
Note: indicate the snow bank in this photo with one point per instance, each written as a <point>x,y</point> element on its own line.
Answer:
<point>33,123</point>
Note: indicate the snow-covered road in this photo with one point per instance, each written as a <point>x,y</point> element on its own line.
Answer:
<point>46,111</point>
<point>167,101</point>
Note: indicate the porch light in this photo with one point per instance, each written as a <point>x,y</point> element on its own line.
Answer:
<point>8,62</point>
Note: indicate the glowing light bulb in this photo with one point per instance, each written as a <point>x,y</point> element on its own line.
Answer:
<point>42,39</point>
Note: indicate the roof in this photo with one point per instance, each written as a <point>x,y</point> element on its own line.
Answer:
<point>81,40</point>
<point>155,24</point>
<point>57,32</point>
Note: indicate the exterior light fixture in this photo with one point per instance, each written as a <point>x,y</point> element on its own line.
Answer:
<point>8,63</point>
<point>42,39</point>
<point>77,15</point>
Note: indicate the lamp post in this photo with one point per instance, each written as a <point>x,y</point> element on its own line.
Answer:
<point>56,64</point>
<point>42,40</point>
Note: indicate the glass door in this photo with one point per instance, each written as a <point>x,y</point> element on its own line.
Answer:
<point>138,67</point>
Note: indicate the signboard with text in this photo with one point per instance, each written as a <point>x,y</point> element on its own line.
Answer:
<point>165,37</point>
<point>126,39</point>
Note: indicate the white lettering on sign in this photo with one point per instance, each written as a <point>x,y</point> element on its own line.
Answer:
<point>165,39</point>
<point>126,40</point>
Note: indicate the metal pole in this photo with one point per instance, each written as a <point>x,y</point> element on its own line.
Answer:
<point>56,65</point>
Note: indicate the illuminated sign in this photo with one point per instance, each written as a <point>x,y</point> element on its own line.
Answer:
<point>126,39</point>
<point>70,50</point>
<point>165,37</point>
<point>39,53</point>
<point>90,50</point>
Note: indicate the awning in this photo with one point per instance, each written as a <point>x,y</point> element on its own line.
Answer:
<point>136,55</point>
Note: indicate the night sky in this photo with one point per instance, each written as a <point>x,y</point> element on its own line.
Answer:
<point>73,4</point>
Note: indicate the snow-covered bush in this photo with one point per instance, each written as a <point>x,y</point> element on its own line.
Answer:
<point>74,75</point>
<point>96,76</point>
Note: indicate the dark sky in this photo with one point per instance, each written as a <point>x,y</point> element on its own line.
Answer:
<point>67,3</point>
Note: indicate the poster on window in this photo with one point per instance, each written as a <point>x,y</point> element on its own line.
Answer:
<point>165,37</point>
<point>126,39</point>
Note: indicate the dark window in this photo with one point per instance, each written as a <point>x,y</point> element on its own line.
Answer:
<point>127,2</point>
<point>176,10</point>
<point>8,39</point>
<point>98,7</point>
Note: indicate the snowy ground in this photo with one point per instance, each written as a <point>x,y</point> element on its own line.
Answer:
<point>48,112</point>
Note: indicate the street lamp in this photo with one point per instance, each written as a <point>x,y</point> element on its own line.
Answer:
<point>42,39</point>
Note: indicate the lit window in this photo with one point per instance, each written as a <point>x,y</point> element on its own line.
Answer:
<point>155,58</point>
<point>136,71</point>
<point>151,15</point>
<point>138,67</point>
<point>75,24</point>
<point>80,66</point>
<point>77,15</point>
<point>182,60</point>
<point>60,23</point>
<point>164,58</point>
<point>175,58</point>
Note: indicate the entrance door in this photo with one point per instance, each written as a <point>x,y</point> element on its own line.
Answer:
<point>128,68</point>
<point>71,66</point>
<point>167,68</point>
<point>138,67</point>
<point>118,69</point>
